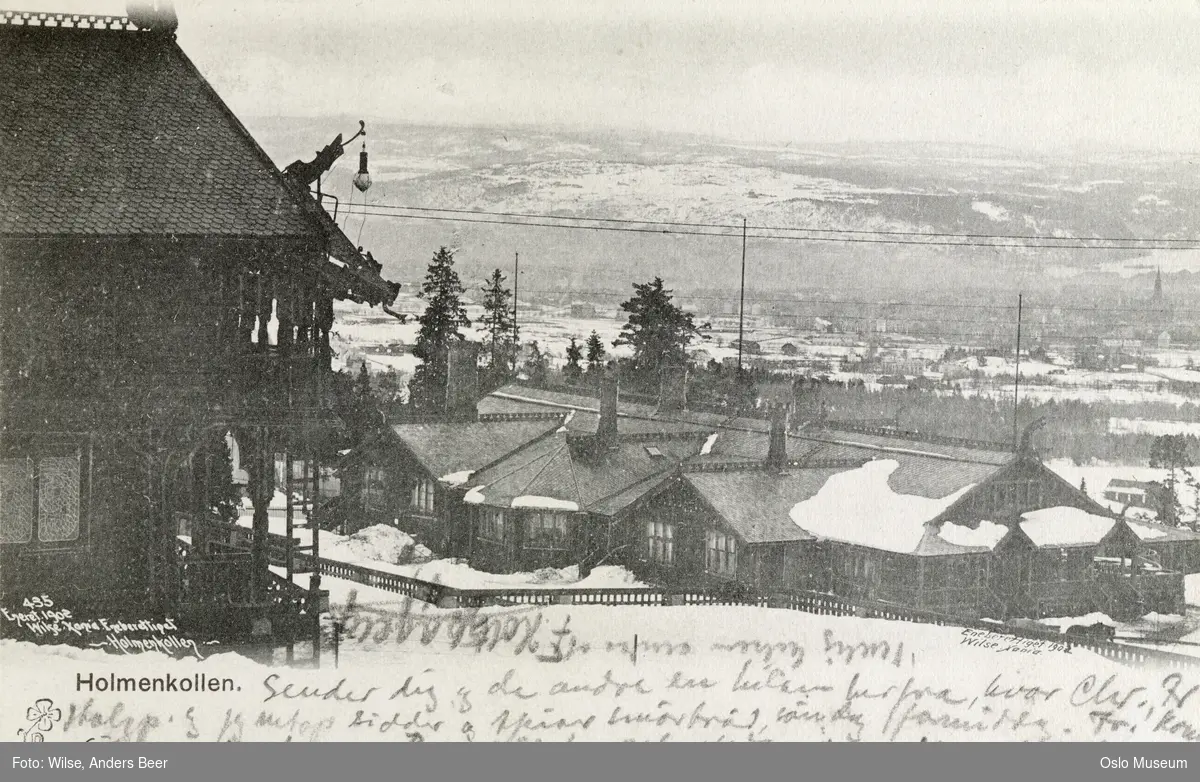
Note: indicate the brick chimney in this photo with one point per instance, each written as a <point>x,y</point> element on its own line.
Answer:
<point>462,381</point>
<point>610,391</point>
<point>777,455</point>
<point>673,389</point>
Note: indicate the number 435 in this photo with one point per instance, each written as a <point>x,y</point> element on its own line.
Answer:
<point>41,601</point>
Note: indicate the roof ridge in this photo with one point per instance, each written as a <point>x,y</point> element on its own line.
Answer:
<point>521,466</point>
<point>905,451</point>
<point>311,211</point>
<point>549,460</point>
<point>925,437</point>
<point>672,468</point>
<point>69,21</point>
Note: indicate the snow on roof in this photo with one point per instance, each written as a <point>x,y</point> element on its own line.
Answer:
<point>858,506</point>
<point>1064,526</point>
<point>544,503</point>
<point>986,535</point>
<point>457,478</point>
<point>1146,532</point>
<point>708,444</point>
<point>474,496</point>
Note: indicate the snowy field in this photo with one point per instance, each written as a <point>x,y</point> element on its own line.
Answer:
<point>410,672</point>
<point>1098,474</point>
<point>1156,428</point>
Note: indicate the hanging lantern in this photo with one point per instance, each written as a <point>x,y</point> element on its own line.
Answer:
<point>362,180</point>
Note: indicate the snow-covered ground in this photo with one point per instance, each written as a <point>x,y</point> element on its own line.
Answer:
<point>391,550</point>
<point>1150,623</point>
<point>1098,474</point>
<point>412,672</point>
<point>1144,426</point>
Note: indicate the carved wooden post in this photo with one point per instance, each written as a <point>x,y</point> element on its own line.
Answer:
<point>314,583</point>
<point>260,470</point>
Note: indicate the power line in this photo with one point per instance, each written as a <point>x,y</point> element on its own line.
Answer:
<point>731,226</point>
<point>862,303</point>
<point>839,239</point>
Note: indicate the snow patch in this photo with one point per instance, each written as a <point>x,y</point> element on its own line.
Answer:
<point>1146,532</point>
<point>1064,526</point>
<point>858,506</point>
<point>544,503</point>
<point>566,421</point>
<point>474,496</point>
<point>708,444</point>
<point>457,478</point>
<point>378,543</point>
<point>993,212</point>
<point>986,535</point>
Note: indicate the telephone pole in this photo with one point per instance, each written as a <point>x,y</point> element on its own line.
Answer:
<point>516,283</point>
<point>742,302</point>
<point>1017,375</point>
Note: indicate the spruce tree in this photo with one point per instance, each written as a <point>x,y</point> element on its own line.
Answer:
<point>537,365</point>
<point>658,331</point>
<point>499,343</point>
<point>595,353</point>
<point>573,371</point>
<point>441,322</point>
<point>222,495</point>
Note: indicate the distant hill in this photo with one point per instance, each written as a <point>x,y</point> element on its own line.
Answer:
<point>891,187</point>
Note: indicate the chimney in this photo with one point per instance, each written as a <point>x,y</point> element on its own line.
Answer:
<point>610,391</point>
<point>462,381</point>
<point>777,455</point>
<point>156,17</point>
<point>672,394</point>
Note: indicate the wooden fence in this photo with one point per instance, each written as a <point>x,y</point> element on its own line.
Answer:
<point>447,596</point>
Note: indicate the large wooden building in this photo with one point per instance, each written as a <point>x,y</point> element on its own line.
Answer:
<point>163,283</point>
<point>691,501</point>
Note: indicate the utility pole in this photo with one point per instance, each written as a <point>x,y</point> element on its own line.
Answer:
<point>516,285</point>
<point>1017,375</point>
<point>742,302</point>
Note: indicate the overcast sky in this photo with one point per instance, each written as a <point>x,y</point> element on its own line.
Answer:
<point>1071,74</point>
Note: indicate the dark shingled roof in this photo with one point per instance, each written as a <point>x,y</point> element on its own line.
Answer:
<point>114,132</point>
<point>551,468</point>
<point>446,448</point>
<point>756,503</point>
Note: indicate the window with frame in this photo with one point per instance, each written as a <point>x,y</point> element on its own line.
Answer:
<point>660,540</point>
<point>421,499</point>
<point>545,529</point>
<point>374,483</point>
<point>722,553</point>
<point>39,499</point>
<point>490,525</point>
